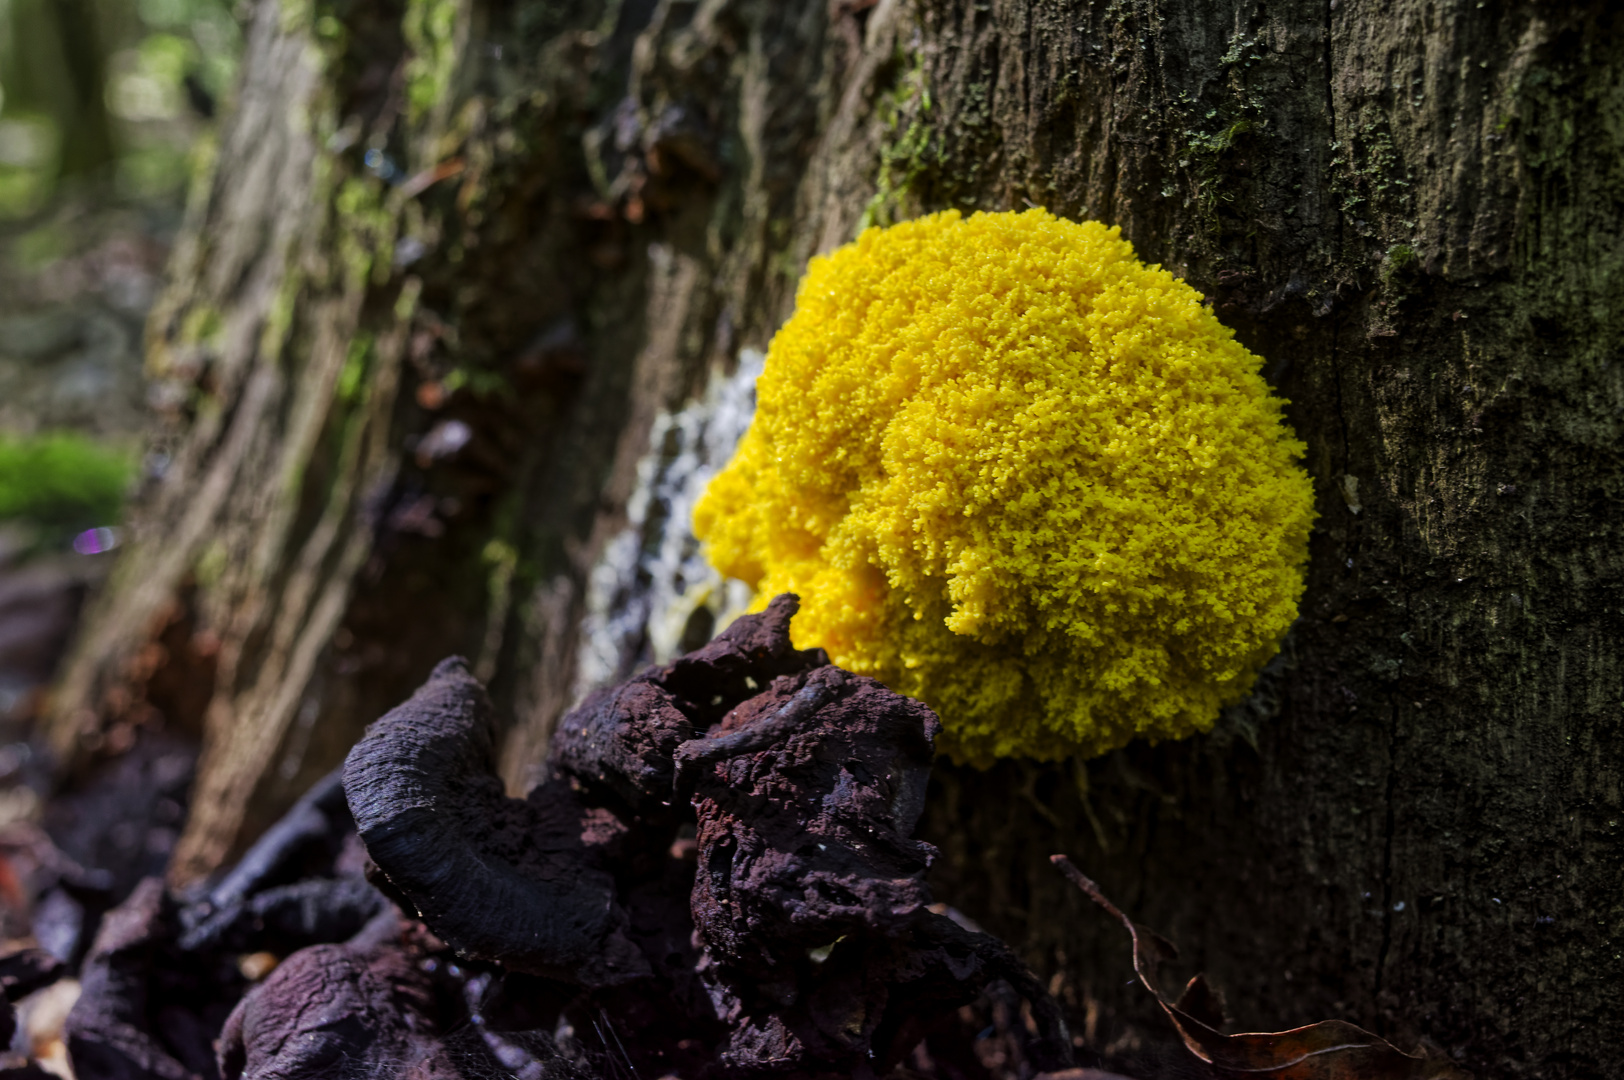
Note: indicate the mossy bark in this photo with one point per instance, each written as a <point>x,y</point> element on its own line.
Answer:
<point>556,223</point>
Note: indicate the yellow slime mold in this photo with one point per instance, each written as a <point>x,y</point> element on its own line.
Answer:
<point>1020,475</point>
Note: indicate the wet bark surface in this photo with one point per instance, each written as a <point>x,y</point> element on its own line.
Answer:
<point>1413,823</point>
<point>457,262</point>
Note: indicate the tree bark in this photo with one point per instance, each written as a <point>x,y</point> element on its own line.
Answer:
<point>466,308</point>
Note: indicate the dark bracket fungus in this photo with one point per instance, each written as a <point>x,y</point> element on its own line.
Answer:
<point>355,988</point>
<point>311,834</point>
<point>500,879</point>
<point>21,973</point>
<point>810,893</point>
<point>367,1008</point>
<point>153,997</point>
<point>717,880</point>
<point>287,917</point>
<point>807,796</point>
<point>624,739</point>
<point>806,943</point>
<point>350,1010</point>
<point>113,1030</point>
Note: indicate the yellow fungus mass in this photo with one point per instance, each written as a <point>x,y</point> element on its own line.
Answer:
<point>1020,475</point>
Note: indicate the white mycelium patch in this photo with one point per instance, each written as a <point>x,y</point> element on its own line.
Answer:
<point>652,579</point>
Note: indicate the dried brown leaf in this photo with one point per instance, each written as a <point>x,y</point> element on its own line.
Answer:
<point>1329,1050</point>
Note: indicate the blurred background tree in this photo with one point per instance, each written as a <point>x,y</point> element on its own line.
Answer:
<point>106,109</point>
<point>105,99</point>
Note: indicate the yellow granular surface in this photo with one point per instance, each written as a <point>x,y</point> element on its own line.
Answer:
<point>1018,474</point>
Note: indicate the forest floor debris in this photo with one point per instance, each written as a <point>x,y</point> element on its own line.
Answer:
<point>715,878</point>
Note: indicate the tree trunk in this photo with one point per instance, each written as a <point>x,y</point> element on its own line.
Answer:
<point>471,301</point>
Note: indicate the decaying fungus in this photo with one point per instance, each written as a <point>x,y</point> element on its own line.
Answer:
<point>370,1007</point>
<point>807,797</point>
<point>133,1017</point>
<point>1024,477</point>
<point>354,1010</point>
<point>810,894</point>
<point>309,837</point>
<point>21,973</point>
<point>355,988</point>
<point>164,972</point>
<point>289,917</point>
<point>717,877</point>
<point>817,948</point>
<point>500,879</point>
<point>624,739</point>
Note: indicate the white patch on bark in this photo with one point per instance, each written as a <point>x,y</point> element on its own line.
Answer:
<point>652,578</point>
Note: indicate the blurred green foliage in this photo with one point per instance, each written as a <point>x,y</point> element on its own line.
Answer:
<point>62,482</point>
<point>110,92</point>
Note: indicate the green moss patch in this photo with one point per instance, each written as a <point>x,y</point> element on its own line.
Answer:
<point>62,482</point>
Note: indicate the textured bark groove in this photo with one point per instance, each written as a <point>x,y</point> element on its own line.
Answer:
<point>1419,830</point>
<point>1408,209</point>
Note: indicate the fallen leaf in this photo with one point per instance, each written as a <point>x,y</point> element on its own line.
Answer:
<point>1329,1050</point>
